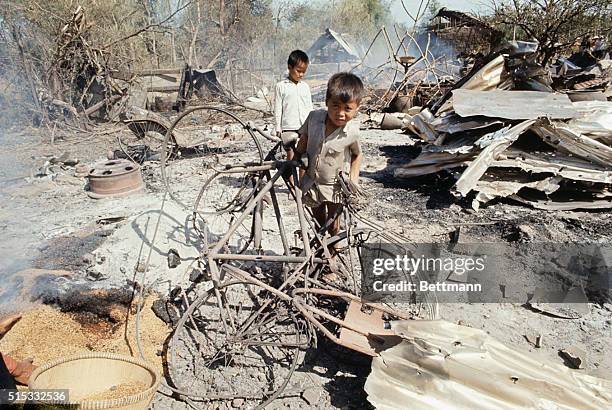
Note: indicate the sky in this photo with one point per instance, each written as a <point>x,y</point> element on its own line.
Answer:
<point>475,6</point>
<point>413,5</point>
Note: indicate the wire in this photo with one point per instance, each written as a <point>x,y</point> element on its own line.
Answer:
<point>140,303</point>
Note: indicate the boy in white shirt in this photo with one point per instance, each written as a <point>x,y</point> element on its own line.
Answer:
<point>292,101</point>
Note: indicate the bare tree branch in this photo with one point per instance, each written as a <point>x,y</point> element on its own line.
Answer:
<point>147,27</point>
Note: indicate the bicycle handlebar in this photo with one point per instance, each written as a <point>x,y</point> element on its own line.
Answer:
<point>263,133</point>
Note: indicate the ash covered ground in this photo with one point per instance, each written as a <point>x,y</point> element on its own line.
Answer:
<point>49,223</point>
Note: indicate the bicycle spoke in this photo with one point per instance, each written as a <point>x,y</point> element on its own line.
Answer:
<point>258,358</point>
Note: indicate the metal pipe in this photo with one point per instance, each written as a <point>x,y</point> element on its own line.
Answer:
<point>240,169</point>
<point>249,208</point>
<point>315,322</point>
<point>257,166</point>
<point>331,318</point>
<point>250,278</point>
<point>258,225</point>
<point>279,218</point>
<point>336,293</point>
<point>263,258</point>
<point>300,209</point>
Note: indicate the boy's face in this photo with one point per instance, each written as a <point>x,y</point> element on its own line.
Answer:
<point>297,72</point>
<point>340,112</point>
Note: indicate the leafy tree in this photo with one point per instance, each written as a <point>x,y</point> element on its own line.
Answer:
<point>361,18</point>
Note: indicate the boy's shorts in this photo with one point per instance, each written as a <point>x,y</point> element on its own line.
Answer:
<point>289,139</point>
<point>318,194</point>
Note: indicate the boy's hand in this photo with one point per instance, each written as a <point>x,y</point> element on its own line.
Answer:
<point>23,371</point>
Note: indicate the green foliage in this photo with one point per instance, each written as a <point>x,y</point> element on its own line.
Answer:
<point>361,19</point>
<point>298,25</point>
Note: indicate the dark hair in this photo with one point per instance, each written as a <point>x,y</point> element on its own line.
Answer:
<point>344,86</point>
<point>297,56</point>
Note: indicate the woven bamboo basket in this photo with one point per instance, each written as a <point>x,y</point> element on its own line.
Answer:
<point>90,374</point>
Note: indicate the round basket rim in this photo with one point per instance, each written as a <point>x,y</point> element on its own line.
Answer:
<point>106,403</point>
